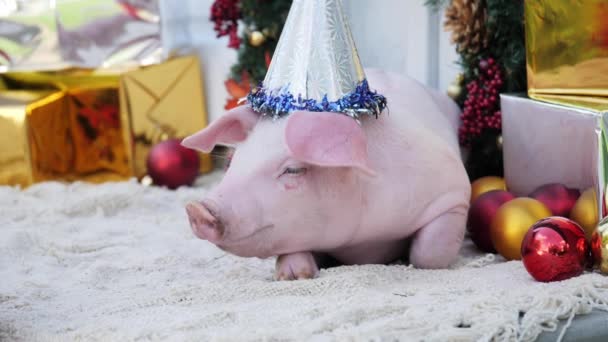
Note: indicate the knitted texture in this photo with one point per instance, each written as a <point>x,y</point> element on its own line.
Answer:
<point>118,262</point>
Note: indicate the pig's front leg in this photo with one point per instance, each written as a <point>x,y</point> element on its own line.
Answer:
<point>437,244</point>
<point>296,266</point>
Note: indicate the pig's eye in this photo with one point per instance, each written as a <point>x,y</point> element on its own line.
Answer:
<point>294,171</point>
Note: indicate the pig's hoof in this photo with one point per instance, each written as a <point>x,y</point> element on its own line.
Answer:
<point>296,266</point>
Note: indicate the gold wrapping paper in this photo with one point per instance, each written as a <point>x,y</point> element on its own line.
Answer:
<point>95,121</point>
<point>162,101</point>
<point>567,65</point>
<point>59,136</point>
<point>54,35</point>
<point>567,49</point>
<point>96,126</point>
<point>15,160</point>
<point>64,79</point>
<point>48,140</point>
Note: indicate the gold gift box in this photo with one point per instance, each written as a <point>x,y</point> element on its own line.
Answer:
<point>567,50</point>
<point>161,101</point>
<point>94,117</point>
<point>97,127</point>
<point>15,110</point>
<point>59,135</point>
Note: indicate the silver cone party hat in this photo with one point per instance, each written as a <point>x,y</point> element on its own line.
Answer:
<point>316,66</point>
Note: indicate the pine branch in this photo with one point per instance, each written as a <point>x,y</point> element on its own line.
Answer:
<point>506,45</point>
<point>261,15</point>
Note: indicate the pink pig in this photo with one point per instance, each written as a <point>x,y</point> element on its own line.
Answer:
<point>314,184</point>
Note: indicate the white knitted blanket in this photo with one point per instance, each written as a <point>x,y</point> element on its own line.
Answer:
<point>118,262</point>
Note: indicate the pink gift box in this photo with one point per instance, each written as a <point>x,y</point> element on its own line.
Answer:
<point>549,143</point>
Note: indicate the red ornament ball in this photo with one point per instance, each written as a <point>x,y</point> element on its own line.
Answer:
<point>172,165</point>
<point>482,213</point>
<point>555,249</point>
<point>557,197</point>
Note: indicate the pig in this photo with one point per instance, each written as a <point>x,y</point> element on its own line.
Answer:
<point>312,184</point>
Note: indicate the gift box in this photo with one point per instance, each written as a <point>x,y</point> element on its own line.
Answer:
<point>55,35</point>
<point>60,135</point>
<point>90,110</point>
<point>96,127</point>
<point>567,49</point>
<point>94,117</point>
<point>558,135</point>
<point>554,143</point>
<point>19,111</point>
<point>158,102</point>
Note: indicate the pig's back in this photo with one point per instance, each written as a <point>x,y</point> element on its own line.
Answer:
<point>414,149</point>
<point>409,100</point>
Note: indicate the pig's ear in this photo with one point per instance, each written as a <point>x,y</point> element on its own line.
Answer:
<point>327,139</point>
<point>232,127</point>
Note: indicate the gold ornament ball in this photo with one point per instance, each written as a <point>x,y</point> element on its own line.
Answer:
<point>499,142</point>
<point>257,38</point>
<point>454,90</point>
<point>511,223</point>
<point>585,212</point>
<point>485,184</point>
<point>599,246</point>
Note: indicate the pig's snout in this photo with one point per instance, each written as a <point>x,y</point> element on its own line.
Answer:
<point>204,222</point>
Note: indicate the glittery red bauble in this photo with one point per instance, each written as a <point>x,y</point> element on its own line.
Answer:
<point>555,249</point>
<point>172,165</point>
<point>482,213</point>
<point>558,198</point>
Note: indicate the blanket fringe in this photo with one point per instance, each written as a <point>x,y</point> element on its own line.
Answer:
<point>546,312</point>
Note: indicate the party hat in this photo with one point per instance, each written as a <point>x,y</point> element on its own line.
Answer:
<point>316,67</point>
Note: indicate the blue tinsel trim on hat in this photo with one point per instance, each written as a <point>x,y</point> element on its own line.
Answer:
<point>362,101</point>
